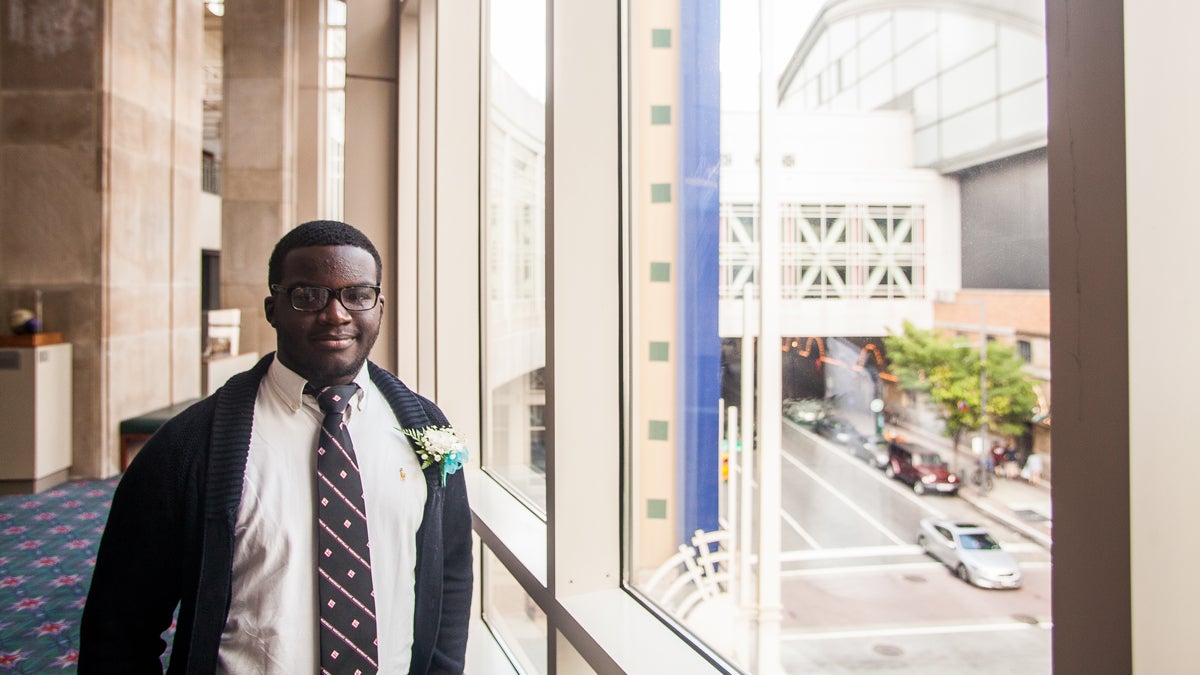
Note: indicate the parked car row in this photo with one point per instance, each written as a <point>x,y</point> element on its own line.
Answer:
<point>967,549</point>
<point>923,470</point>
<point>804,411</point>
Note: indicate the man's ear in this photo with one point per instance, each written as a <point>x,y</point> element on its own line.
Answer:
<point>269,309</point>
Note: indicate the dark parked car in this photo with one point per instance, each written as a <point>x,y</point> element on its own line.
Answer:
<point>804,411</point>
<point>873,450</point>
<point>924,470</point>
<point>837,429</point>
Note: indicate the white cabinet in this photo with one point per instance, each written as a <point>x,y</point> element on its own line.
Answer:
<point>35,411</point>
<point>215,371</point>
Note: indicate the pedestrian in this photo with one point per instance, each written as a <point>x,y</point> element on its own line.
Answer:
<point>1011,468</point>
<point>307,517</point>
<point>997,463</point>
<point>1032,471</point>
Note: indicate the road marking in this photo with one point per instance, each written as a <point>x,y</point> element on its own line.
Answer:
<point>916,630</point>
<point>842,498</point>
<point>892,484</point>
<point>888,567</point>
<point>859,569</point>
<point>855,552</point>
<point>787,518</point>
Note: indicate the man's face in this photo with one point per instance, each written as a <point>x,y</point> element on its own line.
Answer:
<point>327,346</point>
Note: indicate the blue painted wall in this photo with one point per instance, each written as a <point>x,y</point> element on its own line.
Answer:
<point>699,345</point>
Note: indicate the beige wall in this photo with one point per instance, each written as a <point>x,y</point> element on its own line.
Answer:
<point>258,187</point>
<point>1162,143</point>
<point>372,35</point>
<point>99,165</point>
<point>655,83</point>
<point>101,128</point>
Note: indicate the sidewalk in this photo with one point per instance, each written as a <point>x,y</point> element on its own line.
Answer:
<point>1024,507</point>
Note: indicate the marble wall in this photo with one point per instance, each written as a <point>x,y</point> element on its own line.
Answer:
<point>99,175</point>
<point>101,135</point>
<point>258,185</point>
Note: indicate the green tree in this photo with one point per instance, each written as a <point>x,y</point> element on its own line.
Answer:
<point>948,372</point>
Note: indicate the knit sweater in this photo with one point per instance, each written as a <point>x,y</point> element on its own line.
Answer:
<point>169,542</point>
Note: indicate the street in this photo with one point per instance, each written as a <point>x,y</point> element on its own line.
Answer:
<point>860,596</point>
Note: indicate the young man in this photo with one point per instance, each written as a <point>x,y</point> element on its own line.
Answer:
<point>225,513</point>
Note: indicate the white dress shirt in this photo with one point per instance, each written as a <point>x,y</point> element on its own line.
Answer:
<point>272,624</point>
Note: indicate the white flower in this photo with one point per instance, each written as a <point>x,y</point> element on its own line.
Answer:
<point>439,445</point>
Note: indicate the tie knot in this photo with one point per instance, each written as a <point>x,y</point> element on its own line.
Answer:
<point>333,399</point>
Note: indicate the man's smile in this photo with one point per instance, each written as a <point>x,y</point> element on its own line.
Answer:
<point>338,341</point>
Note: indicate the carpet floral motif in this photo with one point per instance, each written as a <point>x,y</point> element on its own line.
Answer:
<point>48,545</point>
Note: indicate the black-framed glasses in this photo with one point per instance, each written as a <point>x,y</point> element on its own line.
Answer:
<point>315,298</point>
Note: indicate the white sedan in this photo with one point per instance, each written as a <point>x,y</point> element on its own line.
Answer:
<point>970,552</point>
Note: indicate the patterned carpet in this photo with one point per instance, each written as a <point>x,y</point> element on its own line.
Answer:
<point>48,547</point>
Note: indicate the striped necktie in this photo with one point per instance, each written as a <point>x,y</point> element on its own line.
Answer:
<point>347,601</point>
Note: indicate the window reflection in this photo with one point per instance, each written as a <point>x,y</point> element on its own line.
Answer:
<point>335,102</point>
<point>906,165</point>
<point>513,617</point>
<point>514,226</point>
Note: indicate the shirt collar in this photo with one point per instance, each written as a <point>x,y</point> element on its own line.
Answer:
<point>289,386</point>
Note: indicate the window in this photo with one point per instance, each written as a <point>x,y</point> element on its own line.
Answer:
<point>335,105</point>
<point>517,622</point>
<point>741,520</point>
<point>1090,117</point>
<point>514,141</point>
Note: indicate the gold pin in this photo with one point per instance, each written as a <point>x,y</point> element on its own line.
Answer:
<point>402,476</point>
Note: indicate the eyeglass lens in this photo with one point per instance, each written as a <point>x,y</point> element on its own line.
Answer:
<point>314,298</point>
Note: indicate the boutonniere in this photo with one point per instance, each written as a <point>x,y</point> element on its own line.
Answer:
<point>441,446</point>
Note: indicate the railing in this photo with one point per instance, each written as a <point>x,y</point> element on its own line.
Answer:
<point>210,174</point>
<point>839,252</point>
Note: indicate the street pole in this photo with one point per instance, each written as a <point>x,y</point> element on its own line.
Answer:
<point>745,597</point>
<point>770,360</point>
<point>983,385</point>
<point>733,524</point>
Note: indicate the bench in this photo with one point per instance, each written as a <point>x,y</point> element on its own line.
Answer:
<point>137,430</point>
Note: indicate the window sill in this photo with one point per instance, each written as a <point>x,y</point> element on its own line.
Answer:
<point>508,522</point>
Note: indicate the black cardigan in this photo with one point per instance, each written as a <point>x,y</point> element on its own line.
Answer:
<point>169,541</point>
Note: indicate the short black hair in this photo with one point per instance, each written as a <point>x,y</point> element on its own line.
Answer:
<point>320,233</point>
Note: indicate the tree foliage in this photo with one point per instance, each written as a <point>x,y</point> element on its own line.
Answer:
<point>948,371</point>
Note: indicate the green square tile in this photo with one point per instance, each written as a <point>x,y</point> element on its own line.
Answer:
<point>660,351</point>
<point>660,37</point>
<point>660,271</point>
<point>658,430</point>
<point>656,508</point>
<point>660,193</point>
<point>660,114</point>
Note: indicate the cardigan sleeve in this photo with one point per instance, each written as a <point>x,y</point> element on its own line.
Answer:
<point>136,582</point>
<point>449,654</point>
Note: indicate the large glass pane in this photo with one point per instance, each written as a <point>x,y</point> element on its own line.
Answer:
<point>842,465</point>
<point>335,108</point>
<point>515,620</point>
<point>514,229</point>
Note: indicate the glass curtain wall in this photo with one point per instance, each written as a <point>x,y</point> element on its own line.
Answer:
<point>515,620</point>
<point>838,275</point>
<point>335,102</point>
<point>514,251</point>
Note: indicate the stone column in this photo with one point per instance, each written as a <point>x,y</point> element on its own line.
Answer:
<point>311,132</point>
<point>258,185</point>
<point>51,177</point>
<point>99,174</point>
<point>372,43</point>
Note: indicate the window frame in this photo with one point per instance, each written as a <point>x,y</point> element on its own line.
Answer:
<point>1090,297</point>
